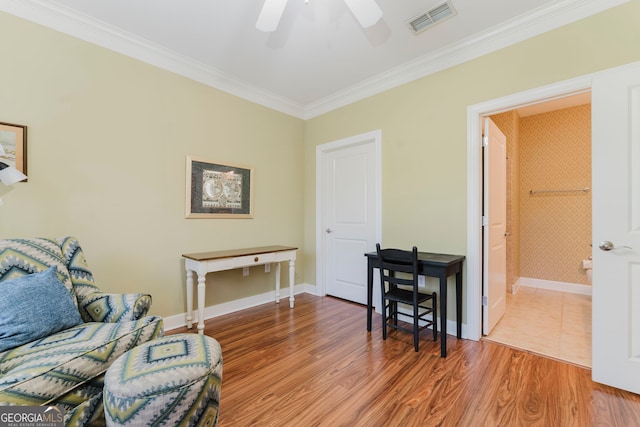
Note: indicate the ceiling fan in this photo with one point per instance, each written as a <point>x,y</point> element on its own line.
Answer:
<point>367,12</point>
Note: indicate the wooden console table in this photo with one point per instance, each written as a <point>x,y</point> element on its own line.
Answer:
<point>207,262</point>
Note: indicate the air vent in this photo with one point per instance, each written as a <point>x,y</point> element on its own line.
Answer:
<point>431,17</point>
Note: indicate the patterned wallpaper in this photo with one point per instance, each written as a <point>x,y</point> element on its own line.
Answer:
<point>550,233</point>
<point>555,154</point>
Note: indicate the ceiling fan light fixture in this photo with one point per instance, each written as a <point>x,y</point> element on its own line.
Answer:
<point>367,12</point>
<point>270,15</point>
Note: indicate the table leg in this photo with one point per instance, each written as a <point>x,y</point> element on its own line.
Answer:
<point>292,278</point>
<point>459,304</point>
<point>189,299</point>
<point>369,294</point>
<point>201,288</point>
<point>443,316</point>
<point>277,283</point>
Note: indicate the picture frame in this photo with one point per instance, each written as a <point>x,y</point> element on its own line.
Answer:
<point>218,190</point>
<point>13,139</point>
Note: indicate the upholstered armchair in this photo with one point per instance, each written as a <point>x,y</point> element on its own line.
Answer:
<point>58,331</point>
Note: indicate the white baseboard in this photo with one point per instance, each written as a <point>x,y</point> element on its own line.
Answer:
<point>180,320</point>
<point>572,288</point>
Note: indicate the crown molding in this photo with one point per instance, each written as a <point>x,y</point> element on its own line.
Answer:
<point>68,21</point>
<point>541,20</point>
<point>81,26</point>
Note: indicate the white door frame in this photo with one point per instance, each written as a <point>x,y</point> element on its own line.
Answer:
<point>474,181</point>
<point>321,150</point>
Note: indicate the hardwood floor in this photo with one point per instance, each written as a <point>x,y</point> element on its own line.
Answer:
<point>317,365</point>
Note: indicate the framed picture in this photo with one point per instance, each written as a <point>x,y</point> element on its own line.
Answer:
<point>217,190</point>
<point>13,142</point>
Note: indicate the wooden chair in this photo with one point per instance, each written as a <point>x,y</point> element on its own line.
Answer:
<point>403,288</point>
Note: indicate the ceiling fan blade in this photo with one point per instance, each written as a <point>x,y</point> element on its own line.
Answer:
<point>367,12</point>
<point>270,15</point>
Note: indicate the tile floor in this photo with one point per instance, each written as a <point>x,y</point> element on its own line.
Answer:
<point>551,323</point>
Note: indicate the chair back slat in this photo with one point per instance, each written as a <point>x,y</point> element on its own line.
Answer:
<point>399,270</point>
<point>394,261</point>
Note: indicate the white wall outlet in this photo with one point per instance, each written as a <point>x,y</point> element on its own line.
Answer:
<point>267,268</point>
<point>245,271</point>
<point>421,283</point>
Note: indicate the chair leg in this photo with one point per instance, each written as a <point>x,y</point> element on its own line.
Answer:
<point>393,312</point>
<point>435,316</point>
<point>384,317</point>
<point>416,331</point>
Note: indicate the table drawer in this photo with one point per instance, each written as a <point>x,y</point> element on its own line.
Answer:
<point>249,260</point>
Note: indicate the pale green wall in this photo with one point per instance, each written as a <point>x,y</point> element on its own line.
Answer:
<point>107,141</point>
<point>108,137</point>
<point>424,126</point>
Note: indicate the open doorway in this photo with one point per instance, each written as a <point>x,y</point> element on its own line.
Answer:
<point>616,132</point>
<point>548,236</point>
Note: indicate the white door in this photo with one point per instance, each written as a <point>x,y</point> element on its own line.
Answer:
<point>494,277</point>
<point>616,219</point>
<point>350,218</point>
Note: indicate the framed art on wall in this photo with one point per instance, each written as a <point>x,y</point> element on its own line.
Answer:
<point>217,190</point>
<point>13,142</point>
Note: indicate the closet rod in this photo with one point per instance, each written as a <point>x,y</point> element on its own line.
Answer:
<point>581,190</point>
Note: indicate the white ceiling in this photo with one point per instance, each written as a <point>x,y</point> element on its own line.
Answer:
<point>318,59</point>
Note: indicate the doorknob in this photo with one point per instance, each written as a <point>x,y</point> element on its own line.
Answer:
<point>328,230</point>
<point>606,245</point>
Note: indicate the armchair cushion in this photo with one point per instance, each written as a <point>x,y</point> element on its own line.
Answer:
<point>20,257</point>
<point>48,369</point>
<point>108,308</point>
<point>33,307</point>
